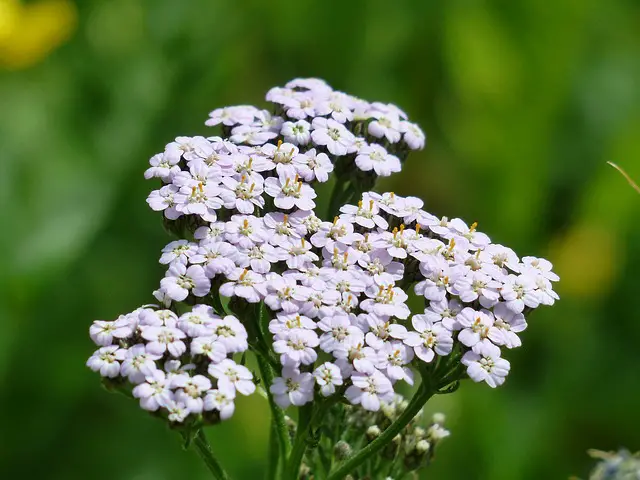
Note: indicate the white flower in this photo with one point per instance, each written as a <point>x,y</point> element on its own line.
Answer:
<point>190,390</point>
<point>243,195</point>
<point>293,388</point>
<point>506,326</point>
<point>221,399</point>
<point>230,116</point>
<point>154,392</point>
<point>101,332</point>
<point>313,166</point>
<point>297,347</point>
<point>178,411</point>
<point>283,227</point>
<point>331,134</point>
<point>338,106</point>
<point>386,301</point>
<point>283,156</point>
<point>282,293</point>
<point>365,216</point>
<point>251,135</point>
<point>289,192</point>
<point>298,254</point>
<point>138,364</point>
<point>180,281</point>
<point>178,251</point>
<point>164,339</point>
<point>352,354</point>
<point>375,157</point>
<point>328,377</point>
<point>200,200</point>
<point>385,125</point>
<point>445,311</point>
<point>475,238</point>
<point>413,135</point>
<point>485,365</point>
<point>164,166</point>
<point>230,375</point>
<point>476,285</point>
<point>475,326</point>
<point>231,334</point>
<point>210,347</point>
<point>298,133</point>
<point>106,360</point>
<point>539,266</point>
<point>393,358</point>
<point>518,292</point>
<point>429,338</point>
<point>165,200</point>
<point>245,284</point>
<point>338,231</point>
<point>369,390</point>
<point>215,257</point>
<point>245,231</point>
<point>284,323</point>
<point>258,257</point>
<point>338,332</point>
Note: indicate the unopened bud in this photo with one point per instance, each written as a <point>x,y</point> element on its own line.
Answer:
<point>439,418</point>
<point>373,432</point>
<point>422,447</point>
<point>419,432</point>
<point>342,450</point>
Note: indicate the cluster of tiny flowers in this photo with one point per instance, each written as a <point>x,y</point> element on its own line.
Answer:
<point>178,365</point>
<point>620,465</point>
<point>335,290</point>
<point>412,448</point>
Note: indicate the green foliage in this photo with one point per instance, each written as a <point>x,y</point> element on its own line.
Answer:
<point>523,103</point>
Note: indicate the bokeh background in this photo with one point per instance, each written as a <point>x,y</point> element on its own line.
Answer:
<point>523,103</point>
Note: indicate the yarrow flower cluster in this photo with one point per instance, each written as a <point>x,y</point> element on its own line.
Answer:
<point>321,298</point>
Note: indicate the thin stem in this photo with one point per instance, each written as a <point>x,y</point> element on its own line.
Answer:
<point>419,399</point>
<point>282,433</point>
<point>300,443</point>
<point>274,453</point>
<point>336,197</point>
<point>204,450</point>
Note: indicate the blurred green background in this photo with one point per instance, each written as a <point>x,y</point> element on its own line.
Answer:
<point>523,103</point>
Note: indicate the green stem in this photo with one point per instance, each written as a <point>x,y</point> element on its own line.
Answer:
<point>204,450</point>
<point>282,433</point>
<point>274,453</point>
<point>417,402</point>
<point>300,443</point>
<point>336,197</point>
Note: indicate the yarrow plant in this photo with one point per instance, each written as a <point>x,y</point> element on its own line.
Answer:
<point>319,300</point>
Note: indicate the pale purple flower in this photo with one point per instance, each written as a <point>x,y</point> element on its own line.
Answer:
<point>138,364</point>
<point>221,399</point>
<point>293,388</point>
<point>164,339</point>
<point>328,376</point>
<point>375,157</point>
<point>230,375</point>
<point>106,360</point>
<point>332,135</point>
<point>369,390</point>
<point>180,281</point>
<point>429,338</point>
<point>154,392</point>
<point>485,365</point>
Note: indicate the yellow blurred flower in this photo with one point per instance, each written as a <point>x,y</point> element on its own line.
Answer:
<point>29,32</point>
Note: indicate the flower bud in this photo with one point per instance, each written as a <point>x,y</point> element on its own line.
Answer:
<point>373,432</point>
<point>422,447</point>
<point>342,450</point>
<point>438,418</point>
